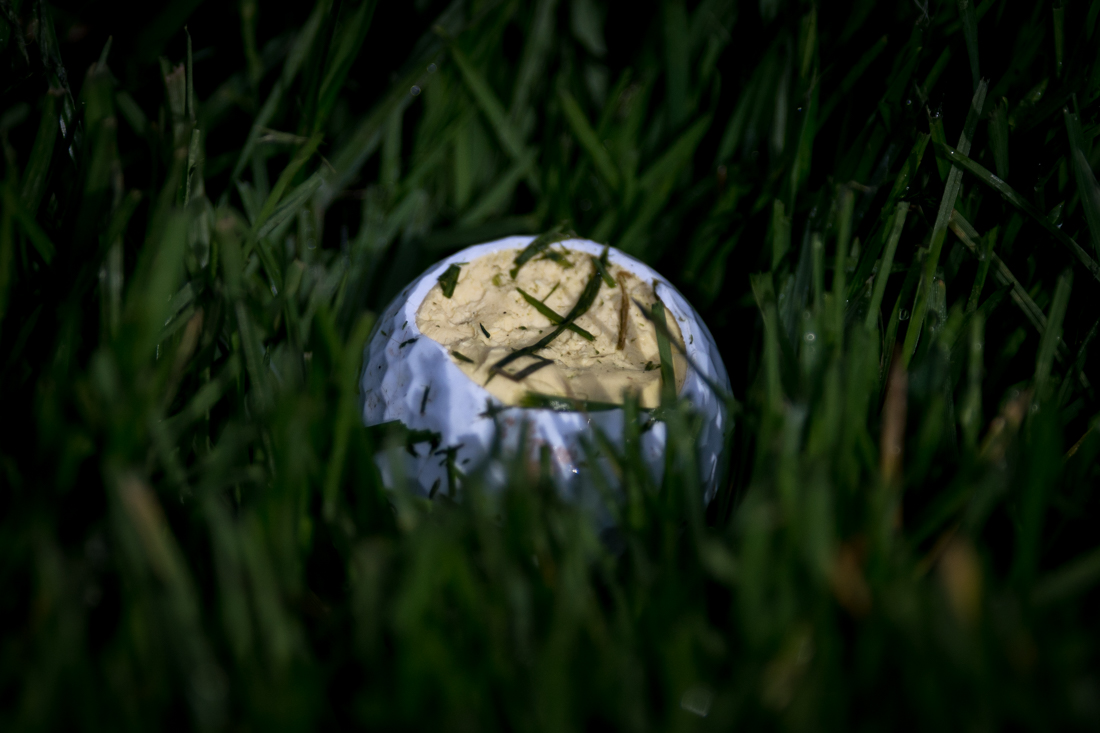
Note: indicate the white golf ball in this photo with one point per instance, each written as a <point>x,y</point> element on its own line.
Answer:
<point>434,387</point>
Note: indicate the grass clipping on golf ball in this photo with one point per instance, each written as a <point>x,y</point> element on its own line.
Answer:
<point>490,315</point>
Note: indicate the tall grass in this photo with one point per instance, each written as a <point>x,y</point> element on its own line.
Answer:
<point>887,212</point>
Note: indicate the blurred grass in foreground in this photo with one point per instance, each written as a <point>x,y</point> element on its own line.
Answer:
<point>889,216</point>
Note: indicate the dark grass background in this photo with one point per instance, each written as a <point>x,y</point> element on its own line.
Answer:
<point>197,226</point>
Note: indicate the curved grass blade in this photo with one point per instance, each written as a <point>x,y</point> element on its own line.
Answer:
<point>295,200</point>
<point>1049,343</point>
<point>300,158</point>
<point>602,265</point>
<point>38,165</point>
<point>39,239</point>
<point>960,160</point>
<point>668,373</point>
<point>1087,187</point>
<point>293,63</point>
<point>886,266</point>
<point>586,136</point>
<point>939,229</point>
<point>538,244</point>
<point>588,296</point>
<point>716,388</point>
<point>509,137</point>
<point>553,317</point>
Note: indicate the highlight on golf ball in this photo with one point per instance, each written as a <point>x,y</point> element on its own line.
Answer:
<point>547,331</point>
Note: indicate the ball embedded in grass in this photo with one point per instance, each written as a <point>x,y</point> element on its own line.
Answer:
<point>547,333</point>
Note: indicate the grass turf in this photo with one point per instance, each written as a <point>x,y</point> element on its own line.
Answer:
<point>887,213</point>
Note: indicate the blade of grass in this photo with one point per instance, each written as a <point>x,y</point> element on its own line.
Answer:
<point>912,278</point>
<point>961,161</point>
<point>302,44</point>
<point>886,266</point>
<point>38,164</point>
<point>491,107</point>
<point>657,182</point>
<point>39,239</point>
<point>233,267</point>
<point>537,245</point>
<point>1049,342</point>
<point>584,302</point>
<point>969,236</point>
<point>1074,374</point>
<point>840,271</point>
<point>1087,188</point>
<point>346,412</point>
<point>998,137</point>
<point>970,412</point>
<point>668,374</point>
<point>889,209</point>
<point>540,41</point>
<point>300,158</point>
<point>553,317</point>
<point>939,230</point>
<point>574,115</point>
<point>970,33</point>
<point>353,34</point>
<point>985,258</point>
<point>291,205</point>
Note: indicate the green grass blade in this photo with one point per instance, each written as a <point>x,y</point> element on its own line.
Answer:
<point>1087,187</point>
<point>668,375</point>
<point>939,229</point>
<point>960,160</point>
<point>38,238</point>
<point>1004,276</point>
<point>847,205</point>
<point>38,164</point>
<point>985,258</point>
<point>1049,342</point>
<point>553,317</point>
<point>901,184</point>
<point>540,42</point>
<point>302,44</point>
<point>970,33</point>
<point>998,137</point>
<point>656,184</point>
<point>291,205</point>
<point>491,107</point>
<point>301,157</point>
<point>887,265</point>
<point>970,412</point>
<point>1074,373</point>
<point>346,412</point>
<point>233,266</point>
<point>574,115</point>
<point>353,34</point>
